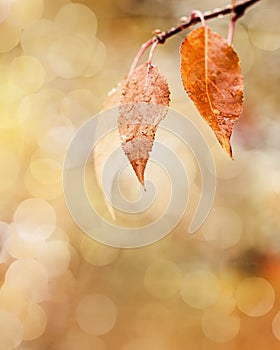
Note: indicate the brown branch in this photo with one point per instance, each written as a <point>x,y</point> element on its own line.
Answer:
<point>187,22</point>
<point>237,11</point>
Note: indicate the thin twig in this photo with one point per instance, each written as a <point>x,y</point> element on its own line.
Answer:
<point>188,22</point>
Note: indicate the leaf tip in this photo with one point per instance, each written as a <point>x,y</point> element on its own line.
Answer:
<point>229,151</point>
<point>139,166</point>
<point>225,143</point>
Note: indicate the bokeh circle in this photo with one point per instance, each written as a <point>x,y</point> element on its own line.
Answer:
<point>110,233</point>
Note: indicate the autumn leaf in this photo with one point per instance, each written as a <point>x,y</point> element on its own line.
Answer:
<point>211,75</point>
<point>144,103</point>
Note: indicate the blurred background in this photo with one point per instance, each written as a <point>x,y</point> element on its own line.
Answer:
<point>60,290</point>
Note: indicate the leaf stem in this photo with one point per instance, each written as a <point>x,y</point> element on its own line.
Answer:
<point>231,26</point>
<point>231,31</point>
<point>152,51</point>
<point>149,62</point>
<point>140,54</point>
<point>198,14</point>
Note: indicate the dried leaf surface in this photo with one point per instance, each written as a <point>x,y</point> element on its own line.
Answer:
<point>144,103</point>
<point>211,76</point>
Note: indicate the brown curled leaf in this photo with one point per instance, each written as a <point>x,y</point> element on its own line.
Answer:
<point>211,75</point>
<point>144,103</point>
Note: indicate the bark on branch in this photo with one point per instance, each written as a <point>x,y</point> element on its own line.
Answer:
<point>160,37</point>
<point>186,22</point>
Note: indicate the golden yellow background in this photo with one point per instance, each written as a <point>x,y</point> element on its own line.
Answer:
<point>60,290</point>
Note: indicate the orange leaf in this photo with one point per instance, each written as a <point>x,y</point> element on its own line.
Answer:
<point>211,75</point>
<point>144,103</point>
